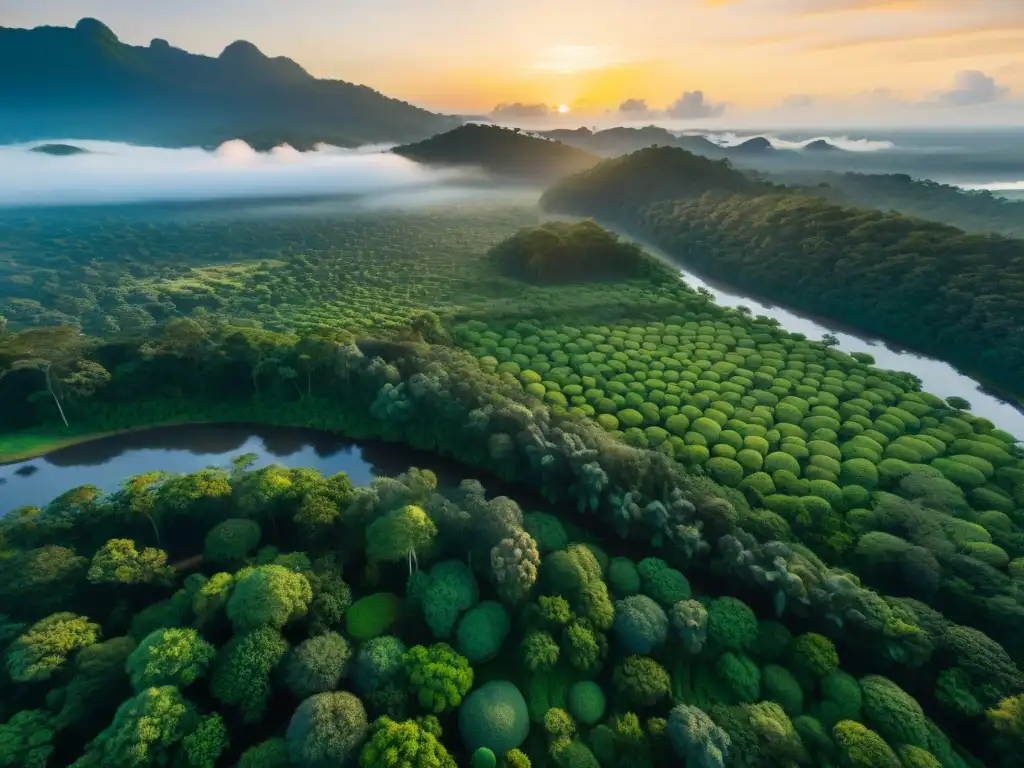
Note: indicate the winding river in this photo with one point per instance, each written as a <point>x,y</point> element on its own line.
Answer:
<point>937,377</point>
<point>107,461</point>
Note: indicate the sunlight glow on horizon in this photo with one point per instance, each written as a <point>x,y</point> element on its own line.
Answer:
<point>794,59</point>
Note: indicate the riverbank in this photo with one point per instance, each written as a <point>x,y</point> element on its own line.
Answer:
<point>110,421</point>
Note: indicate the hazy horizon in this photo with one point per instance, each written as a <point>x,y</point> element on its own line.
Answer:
<point>687,64</point>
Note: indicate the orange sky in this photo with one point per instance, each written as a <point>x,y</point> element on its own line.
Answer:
<point>469,55</point>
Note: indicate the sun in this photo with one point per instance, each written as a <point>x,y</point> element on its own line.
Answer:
<point>563,109</point>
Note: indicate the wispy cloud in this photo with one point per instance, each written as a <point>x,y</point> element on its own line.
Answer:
<point>693,104</point>
<point>970,89</point>
<point>518,110</point>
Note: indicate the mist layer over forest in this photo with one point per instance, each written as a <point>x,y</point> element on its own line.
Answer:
<point>110,172</point>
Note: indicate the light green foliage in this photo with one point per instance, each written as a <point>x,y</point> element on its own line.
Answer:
<point>916,757</point>
<point>576,574</point>
<point>731,624</point>
<point>775,733</point>
<point>861,747</point>
<point>494,716</point>
<point>46,647</point>
<point>482,631</point>
<point>583,647</point>
<point>892,712</point>
<point>241,673</point>
<point>373,615</point>
<point>1007,718</point>
<point>439,677</point>
<point>317,664</point>
<point>326,730</point>
<point>398,533</point>
<point>205,744</point>
<point>272,753</point>
<point>268,595</point>
<point>119,562</point>
<point>449,589</point>
<point>640,681</point>
<point>407,742</point>
<point>779,685</point>
<point>641,625</point>
<point>231,541</point>
<point>174,656</point>
<point>516,759</point>
<point>696,739</point>
<point>586,702</point>
<point>212,598</point>
<point>146,729</point>
<point>815,738</point>
<point>812,656</point>
<point>661,583</point>
<point>539,651</point>
<point>623,577</point>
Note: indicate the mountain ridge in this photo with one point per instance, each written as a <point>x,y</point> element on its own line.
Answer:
<point>83,82</point>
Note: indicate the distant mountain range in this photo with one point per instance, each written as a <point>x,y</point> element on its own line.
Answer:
<point>622,140</point>
<point>82,82</point>
<point>505,152</point>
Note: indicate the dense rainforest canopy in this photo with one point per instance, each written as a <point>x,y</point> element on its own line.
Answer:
<point>698,537</point>
<point>924,284</point>
<point>972,211</point>
<point>559,252</point>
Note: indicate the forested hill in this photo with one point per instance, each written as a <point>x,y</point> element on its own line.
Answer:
<point>502,151</point>
<point>979,211</point>
<point>923,284</point>
<point>622,140</point>
<point>83,82</point>
<point>647,176</point>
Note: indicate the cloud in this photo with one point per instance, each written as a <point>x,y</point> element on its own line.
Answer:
<point>635,107</point>
<point>693,105</point>
<point>970,89</point>
<point>799,101</point>
<point>519,110</point>
<point>121,173</point>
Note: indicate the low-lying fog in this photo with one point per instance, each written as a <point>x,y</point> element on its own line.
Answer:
<point>121,173</point>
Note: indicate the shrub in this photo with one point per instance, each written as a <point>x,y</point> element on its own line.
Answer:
<point>317,664</point>
<point>494,717</point>
<point>640,681</point>
<point>662,583</point>
<point>231,541</point>
<point>742,676</point>
<point>623,577</point>
<point>378,663</point>
<point>270,595</point>
<point>812,656</point>
<point>586,702</point>
<point>373,615</point>
<point>892,712</point>
<point>326,729</point>
<point>482,631</point>
<point>640,624</point>
<point>731,624</point>
<point>169,657</point>
<point>779,685</point>
<point>861,747</point>
<point>438,676</point>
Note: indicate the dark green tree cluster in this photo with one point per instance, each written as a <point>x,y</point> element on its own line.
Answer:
<point>924,284</point>
<point>558,252</point>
